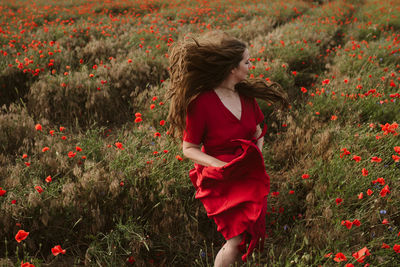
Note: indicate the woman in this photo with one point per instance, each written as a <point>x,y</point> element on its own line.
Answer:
<point>213,108</point>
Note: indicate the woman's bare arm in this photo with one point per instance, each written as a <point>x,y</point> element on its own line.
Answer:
<point>260,141</point>
<point>193,152</point>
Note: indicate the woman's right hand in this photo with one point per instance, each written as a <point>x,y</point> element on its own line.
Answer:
<point>218,163</point>
<point>193,152</point>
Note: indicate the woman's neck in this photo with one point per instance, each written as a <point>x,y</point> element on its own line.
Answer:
<point>221,88</point>
<point>226,92</point>
<point>227,86</point>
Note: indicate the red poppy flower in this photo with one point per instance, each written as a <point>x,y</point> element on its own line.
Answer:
<point>275,194</point>
<point>385,191</point>
<point>21,235</point>
<point>349,265</point>
<point>57,250</point>
<point>397,149</point>
<point>178,157</point>
<point>39,189</point>
<point>376,159</point>
<point>305,176</point>
<point>14,201</point>
<point>45,149</point>
<point>26,264</point>
<point>62,128</point>
<point>345,152</point>
<point>77,148</point>
<point>119,145</point>
<point>361,254</point>
<point>24,156</point>
<point>131,259</point>
<point>369,192</point>
<point>71,154</point>
<point>384,245</point>
<point>340,257</point>
<point>389,128</point>
<point>63,137</point>
<point>356,222</point>
<point>326,81</point>
<point>357,158</point>
<point>157,134</point>
<point>385,221</point>
<point>396,158</point>
<point>162,122</point>
<point>48,179</point>
<point>138,119</point>
<point>304,90</point>
<point>154,98</point>
<point>347,223</point>
<point>291,192</point>
<point>2,192</point>
<point>121,183</point>
<point>27,164</point>
<point>51,132</point>
<point>328,255</point>
<point>364,172</point>
<point>338,201</point>
<point>380,180</point>
<point>361,195</point>
<point>152,106</point>
<point>396,248</point>
<point>38,127</point>
<point>333,117</point>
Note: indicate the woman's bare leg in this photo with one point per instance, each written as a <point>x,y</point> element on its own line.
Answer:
<point>229,253</point>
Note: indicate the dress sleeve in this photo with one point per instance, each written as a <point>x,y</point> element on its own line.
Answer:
<point>258,113</point>
<point>195,123</point>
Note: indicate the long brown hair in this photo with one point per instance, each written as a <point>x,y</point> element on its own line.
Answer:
<point>203,63</point>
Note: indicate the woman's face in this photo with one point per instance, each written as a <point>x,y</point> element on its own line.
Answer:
<point>241,71</point>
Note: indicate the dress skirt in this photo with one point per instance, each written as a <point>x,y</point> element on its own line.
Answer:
<point>235,195</point>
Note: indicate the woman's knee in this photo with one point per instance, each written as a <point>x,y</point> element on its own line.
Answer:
<point>235,241</point>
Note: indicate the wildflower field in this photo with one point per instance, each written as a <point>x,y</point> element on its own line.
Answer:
<point>89,175</point>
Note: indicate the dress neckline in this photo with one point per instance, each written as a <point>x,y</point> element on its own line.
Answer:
<point>228,110</point>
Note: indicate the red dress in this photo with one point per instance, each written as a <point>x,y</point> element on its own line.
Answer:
<point>234,195</point>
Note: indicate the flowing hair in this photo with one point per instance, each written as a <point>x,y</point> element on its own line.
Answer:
<point>202,64</point>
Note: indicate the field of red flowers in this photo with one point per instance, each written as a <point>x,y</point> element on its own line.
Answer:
<point>89,175</point>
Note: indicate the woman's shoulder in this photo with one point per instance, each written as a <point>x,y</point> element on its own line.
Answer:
<point>203,98</point>
<point>205,95</point>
